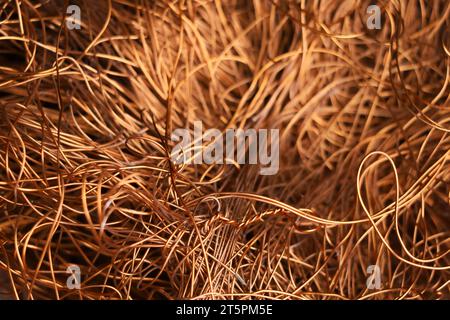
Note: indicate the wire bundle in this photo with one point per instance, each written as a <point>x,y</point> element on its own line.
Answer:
<point>86,177</point>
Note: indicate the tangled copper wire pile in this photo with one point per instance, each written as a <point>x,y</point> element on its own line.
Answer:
<point>86,178</point>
